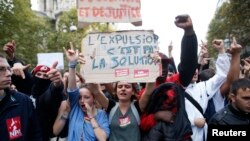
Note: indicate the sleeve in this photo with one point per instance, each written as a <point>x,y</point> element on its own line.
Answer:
<point>52,98</point>
<point>104,122</point>
<point>222,67</point>
<point>189,59</point>
<point>34,129</point>
<point>22,85</point>
<point>73,97</point>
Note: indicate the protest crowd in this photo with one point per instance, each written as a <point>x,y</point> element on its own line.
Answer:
<point>47,104</point>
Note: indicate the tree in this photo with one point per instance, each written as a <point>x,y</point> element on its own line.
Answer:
<point>231,19</point>
<point>35,34</point>
<point>61,35</point>
<point>21,24</point>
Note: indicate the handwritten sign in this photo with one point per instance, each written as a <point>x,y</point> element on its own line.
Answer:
<point>119,11</point>
<point>120,56</point>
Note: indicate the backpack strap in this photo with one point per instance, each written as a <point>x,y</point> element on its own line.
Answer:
<point>135,112</point>
<point>194,102</point>
<point>133,108</point>
<point>112,112</point>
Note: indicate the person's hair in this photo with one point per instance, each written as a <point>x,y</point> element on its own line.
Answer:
<point>67,81</point>
<point>206,74</point>
<point>80,77</point>
<point>134,87</point>
<point>87,86</point>
<point>242,83</point>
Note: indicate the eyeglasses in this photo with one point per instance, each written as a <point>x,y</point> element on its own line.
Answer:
<point>4,69</point>
<point>42,75</point>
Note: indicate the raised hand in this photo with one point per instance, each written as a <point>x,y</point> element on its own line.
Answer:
<point>204,49</point>
<point>218,44</point>
<point>246,67</point>
<point>81,59</point>
<point>10,49</point>
<point>71,54</point>
<point>203,54</point>
<point>170,47</point>
<point>18,69</point>
<point>184,22</point>
<point>54,75</point>
<point>235,48</point>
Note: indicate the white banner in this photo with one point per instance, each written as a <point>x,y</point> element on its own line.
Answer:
<point>49,58</point>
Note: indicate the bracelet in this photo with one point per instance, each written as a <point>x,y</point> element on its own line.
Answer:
<point>95,127</point>
<point>91,117</point>
<point>72,64</point>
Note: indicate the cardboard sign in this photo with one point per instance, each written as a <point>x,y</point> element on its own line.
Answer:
<point>120,56</point>
<point>118,11</point>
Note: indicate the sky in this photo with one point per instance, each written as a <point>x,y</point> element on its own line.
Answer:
<point>159,16</point>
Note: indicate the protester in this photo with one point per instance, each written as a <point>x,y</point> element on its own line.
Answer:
<point>61,124</point>
<point>44,85</point>
<point>215,87</point>
<point>18,118</point>
<point>86,121</point>
<point>124,110</point>
<point>237,112</point>
<point>169,103</point>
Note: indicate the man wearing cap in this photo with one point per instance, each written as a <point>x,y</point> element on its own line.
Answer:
<point>47,91</point>
<point>45,86</point>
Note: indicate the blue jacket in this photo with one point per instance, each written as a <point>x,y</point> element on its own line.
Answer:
<point>18,118</point>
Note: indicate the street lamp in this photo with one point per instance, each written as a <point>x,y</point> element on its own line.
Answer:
<point>72,27</point>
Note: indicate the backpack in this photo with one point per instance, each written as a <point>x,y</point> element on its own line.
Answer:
<point>133,108</point>
<point>181,127</point>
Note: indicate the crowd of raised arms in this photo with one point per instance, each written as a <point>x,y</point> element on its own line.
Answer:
<point>47,104</point>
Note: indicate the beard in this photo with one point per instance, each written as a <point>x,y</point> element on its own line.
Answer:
<point>39,86</point>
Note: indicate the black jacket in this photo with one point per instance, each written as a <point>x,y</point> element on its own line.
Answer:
<point>18,119</point>
<point>229,116</point>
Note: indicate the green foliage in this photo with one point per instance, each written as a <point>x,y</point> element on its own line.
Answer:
<point>34,34</point>
<point>22,25</point>
<point>231,19</point>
